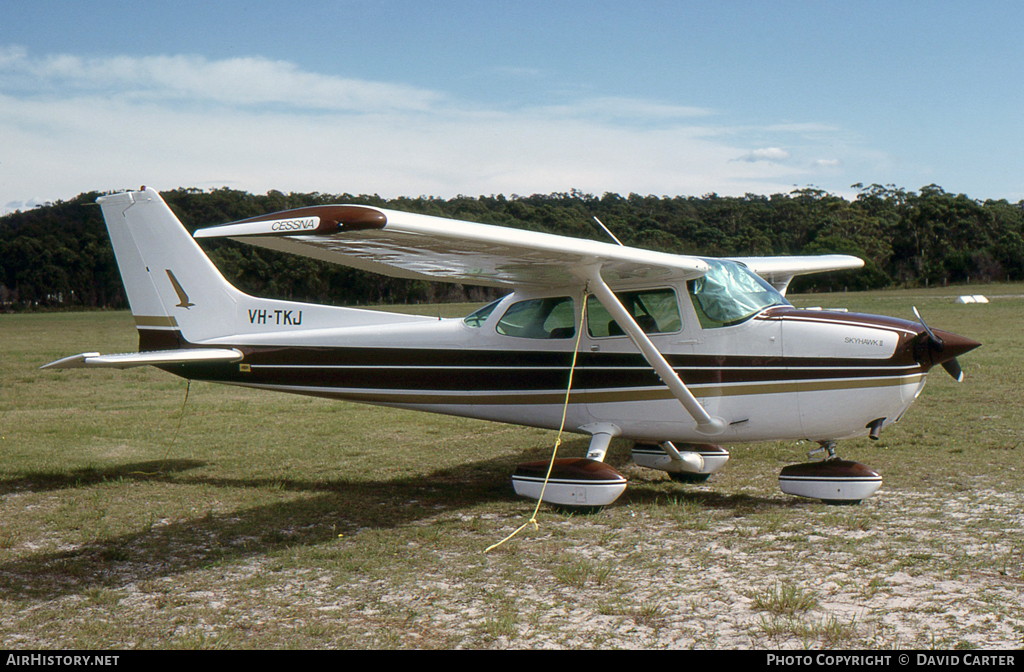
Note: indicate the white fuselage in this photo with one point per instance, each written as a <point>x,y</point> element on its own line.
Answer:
<point>782,374</point>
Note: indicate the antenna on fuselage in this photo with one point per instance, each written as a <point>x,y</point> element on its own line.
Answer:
<point>608,232</point>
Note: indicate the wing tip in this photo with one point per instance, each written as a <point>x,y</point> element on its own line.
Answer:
<point>317,220</point>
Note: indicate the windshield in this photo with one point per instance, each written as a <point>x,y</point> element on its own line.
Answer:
<point>730,293</point>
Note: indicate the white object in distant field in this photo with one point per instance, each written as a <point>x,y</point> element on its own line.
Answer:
<point>976,298</point>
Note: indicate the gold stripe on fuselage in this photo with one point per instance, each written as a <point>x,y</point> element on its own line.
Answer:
<point>155,321</point>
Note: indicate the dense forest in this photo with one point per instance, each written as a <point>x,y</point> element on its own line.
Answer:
<point>58,256</point>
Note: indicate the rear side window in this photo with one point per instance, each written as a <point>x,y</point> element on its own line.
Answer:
<point>553,317</point>
<point>655,310</point>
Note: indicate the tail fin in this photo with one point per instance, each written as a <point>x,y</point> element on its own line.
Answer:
<point>178,297</point>
<point>174,289</point>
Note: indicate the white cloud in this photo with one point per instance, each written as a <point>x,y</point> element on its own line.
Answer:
<point>70,124</point>
<point>629,109</point>
<point>22,205</point>
<point>235,81</point>
<point>770,154</point>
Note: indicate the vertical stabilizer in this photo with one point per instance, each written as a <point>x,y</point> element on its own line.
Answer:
<point>174,289</point>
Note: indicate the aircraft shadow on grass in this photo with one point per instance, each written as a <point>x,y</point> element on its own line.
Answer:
<point>332,508</point>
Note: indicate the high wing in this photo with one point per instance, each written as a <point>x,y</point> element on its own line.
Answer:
<point>779,271</point>
<point>422,247</point>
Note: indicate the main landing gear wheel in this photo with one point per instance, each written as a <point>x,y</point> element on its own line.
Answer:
<point>832,480</point>
<point>580,483</point>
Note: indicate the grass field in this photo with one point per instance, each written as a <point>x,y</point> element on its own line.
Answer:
<point>255,519</point>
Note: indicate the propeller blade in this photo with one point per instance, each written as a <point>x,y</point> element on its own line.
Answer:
<point>953,368</point>
<point>931,335</point>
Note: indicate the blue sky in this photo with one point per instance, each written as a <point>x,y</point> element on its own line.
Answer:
<point>444,98</point>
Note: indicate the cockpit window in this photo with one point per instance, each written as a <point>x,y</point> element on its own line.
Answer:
<point>730,293</point>
<point>655,310</point>
<point>480,315</point>
<point>553,317</point>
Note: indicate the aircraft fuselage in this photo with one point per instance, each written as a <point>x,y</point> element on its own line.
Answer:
<point>784,373</point>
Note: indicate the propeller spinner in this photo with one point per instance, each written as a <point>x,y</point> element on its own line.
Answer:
<point>944,351</point>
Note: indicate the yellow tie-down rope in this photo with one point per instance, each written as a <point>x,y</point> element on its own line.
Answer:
<point>181,416</point>
<point>558,439</point>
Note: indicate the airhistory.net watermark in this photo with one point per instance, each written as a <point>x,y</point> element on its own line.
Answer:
<point>56,660</point>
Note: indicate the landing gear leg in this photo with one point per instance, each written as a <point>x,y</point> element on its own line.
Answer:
<point>827,447</point>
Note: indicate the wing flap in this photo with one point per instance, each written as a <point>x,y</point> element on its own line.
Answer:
<point>95,360</point>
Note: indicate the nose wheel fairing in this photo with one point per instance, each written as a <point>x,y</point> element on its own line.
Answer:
<point>833,481</point>
<point>684,462</point>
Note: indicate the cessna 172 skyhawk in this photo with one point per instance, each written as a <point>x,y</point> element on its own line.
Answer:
<point>674,352</point>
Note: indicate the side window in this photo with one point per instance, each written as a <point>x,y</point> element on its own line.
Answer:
<point>480,315</point>
<point>655,310</point>
<point>539,318</point>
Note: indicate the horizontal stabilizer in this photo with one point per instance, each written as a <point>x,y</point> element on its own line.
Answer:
<point>91,360</point>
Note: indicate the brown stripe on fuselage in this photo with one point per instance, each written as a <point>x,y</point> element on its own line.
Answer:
<point>403,371</point>
<point>503,376</point>
<point>837,317</point>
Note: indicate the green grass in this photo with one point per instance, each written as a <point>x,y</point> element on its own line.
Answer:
<point>784,599</point>
<point>273,521</point>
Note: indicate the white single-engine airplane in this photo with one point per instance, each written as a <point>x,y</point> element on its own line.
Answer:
<point>672,352</point>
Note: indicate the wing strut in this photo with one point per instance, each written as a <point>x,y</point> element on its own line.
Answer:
<point>705,423</point>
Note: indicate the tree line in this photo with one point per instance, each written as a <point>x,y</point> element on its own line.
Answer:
<point>58,256</point>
